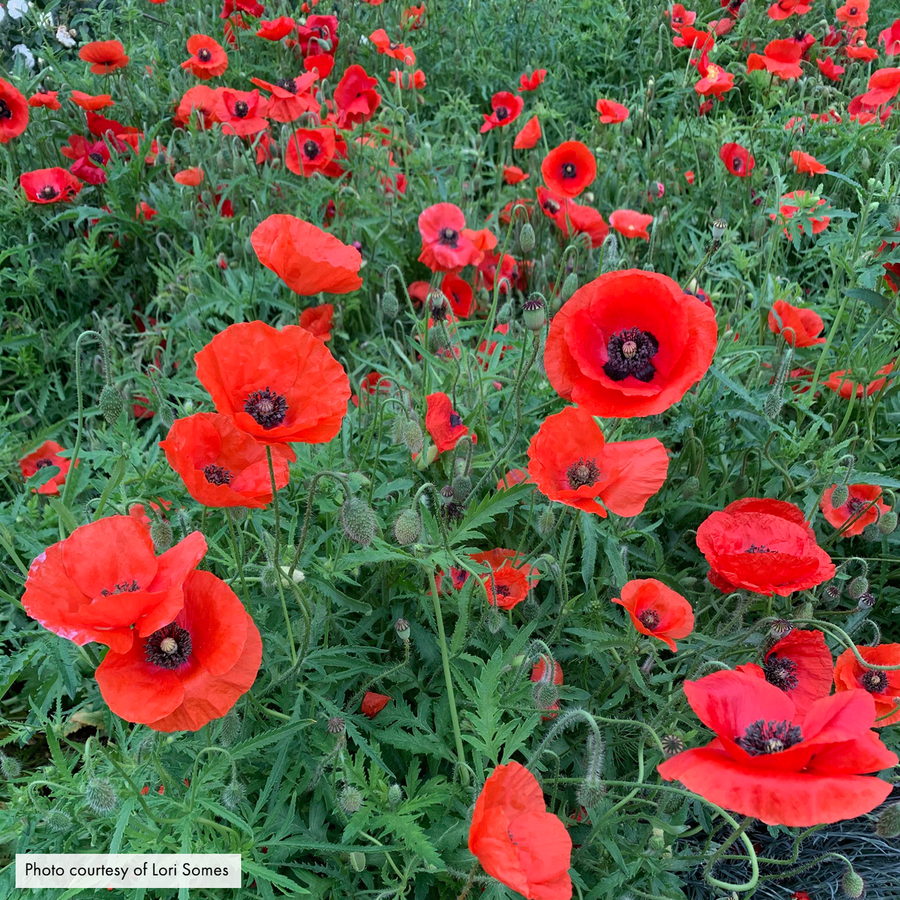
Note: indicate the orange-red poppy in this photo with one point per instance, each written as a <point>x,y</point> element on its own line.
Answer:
<point>631,224</point>
<point>506,107</point>
<point>104,56</point>
<point>373,703</point>
<point>829,68</point>
<point>276,29</point>
<point>854,13</point>
<point>446,243</point>
<point>784,9</point>
<point>199,99</point>
<point>444,423</point>
<point>861,497</point>
<point>611,113</point>
<point>241,113</point>
<point>46,455</point>
<point>355,97</point>
<point>190,177</point>
<point>13,112</point>
<point>310,150</point>
<point>41,98</point>
<point>569,168</point>
<point>290,97</point>
<point>737,159</point>
<point>460,295</point>
<point>208,57</point>
<point>514,175</point>
<point>52,185</point>
<point>792,203</point>
<point>656,610</point>
<point>883,686</point>
<point>510,578</point>
<point>529,135</point>
<point>799,327</point>
<point>807,164</point>
<point>532,81</point>
<point>318,321</point>
<point>394,49</point>
<point>781,58</point>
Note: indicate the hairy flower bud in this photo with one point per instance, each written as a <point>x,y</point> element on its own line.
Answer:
<point>230,728</point>
<point>691,487</point>
<point>590,792</point>
<point>350,799</point>
<point>412,436</point>
<point>234,794</point>
<point>546,521</point>
<point>100,796</point>
<point>527,238</point>
<point>110,404</point>
<point>461,487</point>
<point>268,580</point>
<point>408,527</point>
<point>888,824</point>
<point>741,485</point>
<point>161,535</point>
<point>857,587</point>
<point>358,521</point>
<point>840,495</point>
<point>395,795</point>
<point>390,305</point>
<point>10,767</point>
<point>570,285</point>
<point>887,524</point>
<point>58,821</point>
<point>852,885</point>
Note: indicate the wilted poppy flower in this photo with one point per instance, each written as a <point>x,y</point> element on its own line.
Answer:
<point>890,37</point>
<point>883,686</point>
<point>49,185</point>
<point>807,164</point>
<point>784,9</point>
<point>737,159</point>
<point>573,218</point>
<point>884,84</point>
<point>104,583</point>
<point>310,150</point>
<point>569,168</point>
<point>793,202</point>
<point>529,135</point>
<point>782,58</point>
<point>104,56</point>
<point>373,703</point>
<point>506,108</point>
<point>208,57</point>
<point>769,762</point>
<point>854,13</point>
<point>394,49</point>
<point>631,224</point>
<point>446,247</point>
<point>276,29</point>
<point>510,578</point>
<point>629,343</point>
<point>13,112</point>
<point>799,327</point>
<point>799,664</point>
<point>88,158</point>
<point>308,259</point>
<point>611,113</point>
<point>531,82</point>
<point>764,546</point>
<point>39,99</point>
<point>191,670</point>
<point>222,466</point>
<point>861,496</point>
<point>516,840</point>
<point>656,610</point>
<point>190,177</point>
<point>318,320</point>
<point>829,68</point>
<point>355,97</point>
<point>570,462</point>
<point>46,455</point>
<point>444,423</point>
<point>241,112</point>
<point>200,99</point>
<point>278,386</point>
<point>841,382</point>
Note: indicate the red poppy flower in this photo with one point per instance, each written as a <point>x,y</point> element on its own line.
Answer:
<point>310,150</point>
<point>807,164</point>
<point>765,546</point>
<point>829,68</point>
<point>714,80</point>
<point>208,57</point>
<point>241,112</point>
<point>533,81</point>
<point>319,34</point>
<point>408,80</point>
<point>698,41</point>
<point>413,17</point>
<point>355,97</point>
<point>570,462</point>
<point>278,386</point>
<point>569,168</point>
<point>89,158</point>
<point>38,99</point>
<point>104,56</point>
<point>529,135</point>
<point>373,703</point>
<point>854,13</point>
<point>307,259</point>
<point>863,113</point>
<point>446,247</point>
<point>857,48</point>
<point>394,49</point>
<point>884,84</point>
<point>737,159</point>
<point>577,219</point>
<point>91,102</point>
<point>145,212</point>
<point>799,327</point>
<point>46,455</point>
<point>793,202</point>
<point>656,610</point>
<point>276,29</point>
<point>782,58</point>
<point>841,382</point>
<point>513,476</point>
<point>190,177</point>
<point>514,175</point>
<point>202,100</point>
<point>784,9</point>
<point>460,295</point>
<point>49,185</point>
<point>191,670</point>
<point>510,578</point>
<point>631,224</point>
<point>860,497</point>
<point>104,583</point>
<point>290,97</point>
<point>679,16</point>
<point>770,763</point>
<point>318,321</point>
<point>506,108</point>
<point>611,113</point>
<point>516,840</point>
<point>799,664</point>
<point>890,37</point>
<point>13,112</point>
<point>444,423</point>
<point>222,466</point>
<point>882,686</point>
<point>629,343</point>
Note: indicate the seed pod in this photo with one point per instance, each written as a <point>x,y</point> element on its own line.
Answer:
<point>110,404</point>
<point>336,725</point>
<point>888,824</point>
<point>100,796</point>
<point>401,626</point>
<point>358,521</point>
<point>408,527</point>
<point>887,524</point>
<point>534,313</point>
<point>672,745</point>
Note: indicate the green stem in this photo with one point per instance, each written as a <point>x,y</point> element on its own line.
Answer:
<point>277,557</point>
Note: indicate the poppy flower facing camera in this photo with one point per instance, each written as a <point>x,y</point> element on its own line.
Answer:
<point>569,169</point>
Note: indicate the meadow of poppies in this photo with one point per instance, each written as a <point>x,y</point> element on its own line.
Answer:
<point>450,450</point>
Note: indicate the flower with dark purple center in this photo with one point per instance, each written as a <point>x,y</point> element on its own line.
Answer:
<point>168,648</point>
<point>582,473</point>
<point>266,407</point>
<point>43,462</point>
<point>241,109</point>
<point>763,737</point>
<point>874,681</point>
<point>649,618</point>
<point>124,587</point>
<point>449,237</point>
<point>216,474</point>
<point>630,353</point>
<point>781,672</point>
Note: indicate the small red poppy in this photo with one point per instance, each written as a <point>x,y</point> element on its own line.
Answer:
<point>276,29</point>
<point>516,840</point>
<point>208,57</point>
<point>46,455</point>
<point>781,58</point>
<point>890,37</point>
<point>698,41</point>
<point>39,99</point>
<point>784,9</point>
<point>278,386</point>
<point>408,80</point>
<point>319,34</point>
<point>792,203</point>
<point>104,583</point>
<point>13,112</point>
<point>190,177</point>
<point>510,578</point>
<point>764,546</point>
<point>611,113</point>
<point>861,497</point>
<point>50,185</point>
<point>318,321</point>
<point>104,56</point>
<point>854,13</point>
<point>807,164</point>
<point>373,703</point>
<point>883,686</point>
<point>308,259</point>
<point>829,68</point>
<point>355,97</point>
<point>191,670</point>
<point>714,80</point>
<point>506,108</point>
<point>799,327</point>
<point>513,476</point>
<point>514,175</point>
<point>529,135</point>
<point>631,224</point>
<point>842,383</point>
<point>310,150</point>
<point>444,423</point>
<point>446,244</point>
<point>394,49</point>
<point>199,99</point>
<point>737,159</point>
<point>88,158</point>
<point>290,97</point>
<point>570,462</point>
<point>460,295</point>
<point>241,112</point>
<point>569,168</point>
<point>656,610</point>
<point>222,466</point>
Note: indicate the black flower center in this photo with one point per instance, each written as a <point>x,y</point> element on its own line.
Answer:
<point>501,590</point>
<point>310,149</point>
<point>216,474</point>
<point>241,109</point>
<point>48,192</point>
<point>448,237</point>
<point>569,170</point>
<point>97,157</point>
<point>502,113</point>
<point>123,587</point>
<point>168,648</point>
<point>853,10</point>
<point>630,352</point>
<point>287,84</point>
<point>584,472</point>
<point>736,164</point>
<point>763,737</point>
<point>854,505</point>
<point>266,407</point>
<point>204,54</point>
<point>875,682</point>
<point>759,548</point>
<point>455,420</point>
<point>43,462</point>
<point>649,618</point>
<point>5,111</point>
<point>781,672</point>
<point>551,206</point>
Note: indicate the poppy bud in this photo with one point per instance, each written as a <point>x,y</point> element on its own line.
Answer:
<point>408,527</point>
<point>395,795</point>
<point>358,860</point>
<point>336,725</point>
<point>231,728</point>
<point>437,342</point>
<point>691,487</point>
<point>350,800</point>
<point>494,621</point>
<point>527,238</point>
<point>865,163</point>
<point>857,587</point>
<point>590,792</point>
<point>839,496</point>
<point>546,520</point>
<point>461,487</point>
<point>100,796</point>
<point>412,436</point>
<point>161,535</point>
<point>888,824</point>
<point>110,404</point>
<point>546,695</point>
<point>390,305</point>
<point>504,314</point>
<point>401,626</point>
<point>658,58</point>
<point>852,884</point>
<point>268,580</point>
<point>871,533</point>
<point>58,821</point>
<point>570,285</point>
<point>358,521</point>
<point>534,313</point>
<point>233,795</point>
<point>887,524</point>
<point>10,766</point>
<point>805,611</point>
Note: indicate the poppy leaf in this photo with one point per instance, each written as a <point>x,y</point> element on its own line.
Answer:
<point>588,548</point>
<point>872,298</point>
<point>614,555</point>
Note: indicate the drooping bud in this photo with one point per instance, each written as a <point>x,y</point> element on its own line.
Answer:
<point>888,824</point>
<point>852,884</point>
<point>871,533</point>
<point>408,527</point>
<point>857,587</point>
<point>504,314</point>
<point>534,313</point>
<point>741,485</point>
<point>887,524</point>
<point>110,404</point>
<point>839,496</point>
<point>350,799</point>
<point>570,285</point>
<point>691,487</point>
<point>100,795</point>
<point>234,794</point>
<point>268,580</point>
<point>461,487</point>
<point>412,436</point>
<point>590,792</point>
<point>390,305</point>
<point>58,821</point>
<point>546,694</point>
<point>358,521</point>
<point>401,626</point>
<point>493,620</point>
<point>230,728</point>
<point>161,535</point>
<point>10,767</point>
<point>527,238</point>
<point>546,521</point>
